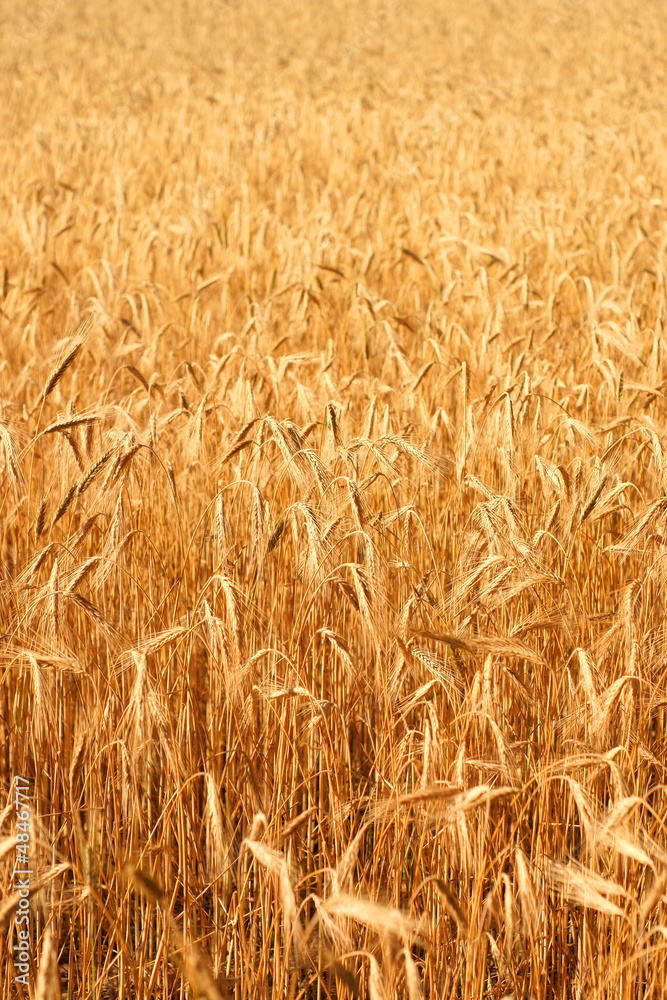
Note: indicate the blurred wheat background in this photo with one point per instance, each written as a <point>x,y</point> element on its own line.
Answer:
<point>333,492</point>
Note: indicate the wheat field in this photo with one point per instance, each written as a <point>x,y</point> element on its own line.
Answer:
<point>333,493</point>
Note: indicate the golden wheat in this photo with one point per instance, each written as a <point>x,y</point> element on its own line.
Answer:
<point>332,491</point>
